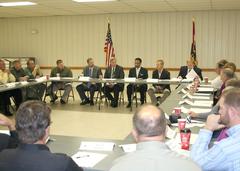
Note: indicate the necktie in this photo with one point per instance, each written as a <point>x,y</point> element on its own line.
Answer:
<point>113,70</point>
<point>223,134</point>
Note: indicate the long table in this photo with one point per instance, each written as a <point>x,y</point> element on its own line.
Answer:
<point>70,145</point>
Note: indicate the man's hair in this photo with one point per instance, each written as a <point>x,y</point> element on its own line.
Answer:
<point>231,66</point>
<point>32,119</point>
<point>221,63</point>
<point>232,98</point>
<point>16,61</point>
<point>233,83</point>
<point>138,59</point>
<point>149,126</point>
<point>89,59</point>
<point>29,60</point>
<point>228,73</point>
<point>59,61</point>
<point>161,61</point>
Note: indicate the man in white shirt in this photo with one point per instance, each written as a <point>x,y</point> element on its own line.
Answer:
<point>152,154</point>
<point>217,82</point>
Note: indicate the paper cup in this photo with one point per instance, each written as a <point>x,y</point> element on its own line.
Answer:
<point>177,111</point>
<point>206,80</point>
<point>181,124</point>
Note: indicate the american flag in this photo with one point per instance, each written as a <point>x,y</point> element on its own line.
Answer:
<point>108,49</point>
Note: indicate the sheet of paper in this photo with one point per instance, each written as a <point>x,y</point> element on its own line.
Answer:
<point>54,78</point>
<point>130,79</point>
<point>206,85</point>
<point>201,94</point>
<point>191,75</point>
<point>5,132</point>
<point>170,133</point>
<point>97,146</point>
<point>10,84</point>
<point>84,78</point>
<point>41,79</point>
<point>24,82</point>
<point>152,80</point>
<point>176,147</point>
<point>205,89</point>
<point>127,148</point>
<point>200,110</point>
<point>87,159</point>
<point>198,97</point>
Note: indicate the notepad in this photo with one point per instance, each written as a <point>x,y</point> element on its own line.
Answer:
<point>200,110</point>
<point>87,159</point>
<point>97,146</point>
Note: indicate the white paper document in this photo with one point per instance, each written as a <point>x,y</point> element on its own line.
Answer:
<point>152,80</point>
<point>54,78</point>
<point>127,148</point>
<point>87,159</point>
<point>196,97</point>
<point>24,82</point>
<point>191,75</point>
<point>130,79</point>
<point>196,103</point>
<point>205,89</point>
<point>84,79</point>
<point>5,132</point>
<point>176,147</point>
<point>97,146</point>
<point>201,94</point>
<point>41,79</point>
<point>170,133</point>
<point>10,84</point>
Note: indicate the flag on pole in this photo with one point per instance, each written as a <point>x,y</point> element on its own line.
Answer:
<point>193,48</point>
<point>108,49</point>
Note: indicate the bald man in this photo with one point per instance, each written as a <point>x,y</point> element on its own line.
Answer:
<point>152,154</point>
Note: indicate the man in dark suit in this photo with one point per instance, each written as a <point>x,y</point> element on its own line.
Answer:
<point>184,70</point>
<point>33,125</point>
<point>7,141</point>
<point>113,71</point>
<point>159,73</point>
<point>91,71</point>
<point>139,73</point>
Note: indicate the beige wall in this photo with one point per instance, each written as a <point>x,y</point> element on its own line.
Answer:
<point>149,36</point>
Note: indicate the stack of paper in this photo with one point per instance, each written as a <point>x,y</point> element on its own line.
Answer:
<point>87,159</point>
<point>191,75</point>
<point>130,79</point>
<point>84,78</point>
<point>196,97</point>
<point>54,78</point>
<point>205,89</point>
<point>97,146</point>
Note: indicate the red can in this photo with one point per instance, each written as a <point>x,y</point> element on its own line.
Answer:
<point>185,138</point>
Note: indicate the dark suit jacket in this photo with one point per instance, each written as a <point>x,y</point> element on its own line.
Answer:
<point>95,73</point>
<point>184,71</point>
<point>143,74</point>
<point>35,157</point>
<point>164,75</point>
<point>118,74</point>
<point>7,141</point>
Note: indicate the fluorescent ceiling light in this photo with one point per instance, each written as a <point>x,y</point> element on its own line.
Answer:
<point>93,0</point>
<point>13,4</point>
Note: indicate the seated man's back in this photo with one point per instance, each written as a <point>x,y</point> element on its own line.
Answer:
<point>153,156</point>
<point>35,157</point>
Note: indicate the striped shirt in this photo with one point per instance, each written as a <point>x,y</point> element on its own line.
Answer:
<point>223,156</point>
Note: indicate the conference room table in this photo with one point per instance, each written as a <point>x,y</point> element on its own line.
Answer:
<point>70,145</point>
